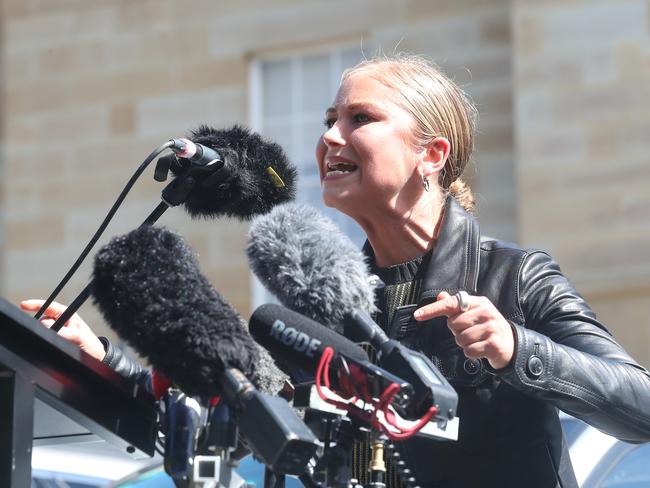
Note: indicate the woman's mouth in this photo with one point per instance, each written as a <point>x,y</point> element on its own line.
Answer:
<point>339,168</point>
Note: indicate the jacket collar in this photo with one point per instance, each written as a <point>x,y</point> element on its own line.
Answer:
<point>454,262</point>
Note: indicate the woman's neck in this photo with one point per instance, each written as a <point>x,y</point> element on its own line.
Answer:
<point>397,237</point>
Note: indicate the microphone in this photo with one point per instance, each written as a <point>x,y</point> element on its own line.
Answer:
<point>304,259</point>
<point>150,290</point>
<point>313,268</point>
<point>299,342</point>
<point>197,154</point>
<point>241,174</point>
<point>232,172</point>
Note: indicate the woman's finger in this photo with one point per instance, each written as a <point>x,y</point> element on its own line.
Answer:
<point>458,323</point>
<point>446,306</point>
<point>472,334</point>
<point>48,322</point>
<point>52,311</point>
<point>31,305</point>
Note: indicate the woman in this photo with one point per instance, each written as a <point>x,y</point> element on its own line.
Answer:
<point>503,324</point>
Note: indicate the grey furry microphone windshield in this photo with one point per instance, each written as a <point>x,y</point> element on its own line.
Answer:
<point>305,260</point>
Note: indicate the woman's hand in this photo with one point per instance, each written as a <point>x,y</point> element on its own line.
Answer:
<point>75,330</point>
<point>479,328</point>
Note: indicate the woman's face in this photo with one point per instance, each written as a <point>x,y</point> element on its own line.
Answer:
<point>367,157</point>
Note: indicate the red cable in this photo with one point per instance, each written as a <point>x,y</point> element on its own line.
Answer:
<point>383,404</point>
<point>406,434</point>
<point>323,364</point>
<point>322,373</point>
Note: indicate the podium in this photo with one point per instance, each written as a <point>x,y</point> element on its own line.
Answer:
<point>52,392</point>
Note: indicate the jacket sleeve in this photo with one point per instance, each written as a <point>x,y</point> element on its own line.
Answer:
<point>125,366</point>
<point>564,355</point>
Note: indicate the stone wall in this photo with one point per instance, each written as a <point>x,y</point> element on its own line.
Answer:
<point>581,97</point>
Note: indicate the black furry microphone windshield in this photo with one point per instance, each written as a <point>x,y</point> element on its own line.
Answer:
<point>304,259</point>
<point>149,288</point>
<point>256,176</point>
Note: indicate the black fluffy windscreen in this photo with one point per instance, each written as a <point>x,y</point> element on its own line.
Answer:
<point>149,288</point>
<point>248,188</point>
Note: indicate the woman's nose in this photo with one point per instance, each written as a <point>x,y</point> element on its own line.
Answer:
<point>333,136</point>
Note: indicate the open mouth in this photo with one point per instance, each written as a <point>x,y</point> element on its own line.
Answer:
<point>340,168</point>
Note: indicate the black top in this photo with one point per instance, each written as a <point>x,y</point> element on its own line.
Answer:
<point>402,287</point>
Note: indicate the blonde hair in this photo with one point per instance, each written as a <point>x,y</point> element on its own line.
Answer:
<point>439,108</point>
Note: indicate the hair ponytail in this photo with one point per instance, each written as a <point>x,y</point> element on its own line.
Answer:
<point>463,195</point>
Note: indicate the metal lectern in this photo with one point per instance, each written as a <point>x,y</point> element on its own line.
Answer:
<point>50,392</point>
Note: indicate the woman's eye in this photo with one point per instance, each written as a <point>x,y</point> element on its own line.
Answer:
<point>329,122</point>
<point>362,118</point>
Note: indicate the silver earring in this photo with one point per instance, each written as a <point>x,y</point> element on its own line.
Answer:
<point>425,183</point>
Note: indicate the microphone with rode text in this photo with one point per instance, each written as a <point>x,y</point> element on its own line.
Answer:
<point>150,290</point>
<point>304,259</point>
<point>296,341</point>
<point>364,394</point>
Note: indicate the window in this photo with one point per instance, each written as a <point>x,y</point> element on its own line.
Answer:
<point>288,98</point>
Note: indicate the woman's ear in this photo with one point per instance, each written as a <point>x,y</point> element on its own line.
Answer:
<point>435,156</point>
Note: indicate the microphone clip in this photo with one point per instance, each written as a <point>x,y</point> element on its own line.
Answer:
<point>188,156</point>
<point>199,166</point>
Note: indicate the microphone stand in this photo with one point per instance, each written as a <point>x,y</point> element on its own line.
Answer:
<point>172,195</point>
<point>377,466</point>
<point>333,468</point>
<point>214,466</point>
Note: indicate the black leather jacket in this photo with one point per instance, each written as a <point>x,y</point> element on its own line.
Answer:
<point>124,365</point>
<point>510,434</point>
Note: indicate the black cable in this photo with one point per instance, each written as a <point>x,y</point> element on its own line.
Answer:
<point>102,227</point>
<point>159,445</point>
<point>85,293</point>
<point>160,449</point>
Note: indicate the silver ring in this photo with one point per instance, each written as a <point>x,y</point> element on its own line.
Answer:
<point>463,300</point>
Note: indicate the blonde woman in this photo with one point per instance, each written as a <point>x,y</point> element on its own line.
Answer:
<point>503,324</point>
